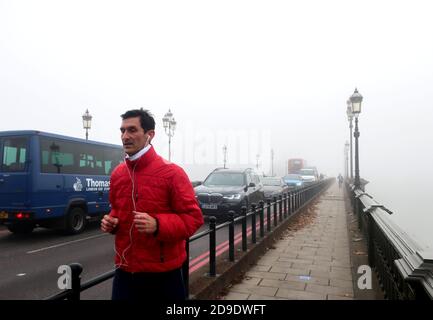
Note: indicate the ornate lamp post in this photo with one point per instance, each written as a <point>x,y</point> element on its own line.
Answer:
<point>169,127</point>
<point>346,159</point>
<point>272,162</point>
<point>356,100</point>
<point>87,123</point>
<point>350,118</point>
<point>225,155</point>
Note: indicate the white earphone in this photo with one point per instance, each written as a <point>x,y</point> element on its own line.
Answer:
<point>122,256</point>
<point>131,176</point>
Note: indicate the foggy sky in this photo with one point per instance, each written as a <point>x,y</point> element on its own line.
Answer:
<point>283,67</point>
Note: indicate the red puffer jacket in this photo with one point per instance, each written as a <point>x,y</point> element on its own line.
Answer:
<point>163,190</point>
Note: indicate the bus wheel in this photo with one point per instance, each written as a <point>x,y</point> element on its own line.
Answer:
<point>75,221</point>
<point>21,228</point>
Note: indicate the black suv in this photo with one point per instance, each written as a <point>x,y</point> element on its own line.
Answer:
<point>228,189</point>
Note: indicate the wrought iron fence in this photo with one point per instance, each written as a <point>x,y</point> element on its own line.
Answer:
<point>403,267</point>
<point>283,207</point>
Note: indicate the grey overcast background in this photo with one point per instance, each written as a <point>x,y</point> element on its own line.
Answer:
<point>279,70</point>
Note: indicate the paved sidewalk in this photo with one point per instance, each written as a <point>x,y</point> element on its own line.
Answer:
<point>310,262</point>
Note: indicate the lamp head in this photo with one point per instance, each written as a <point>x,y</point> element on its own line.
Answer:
<point>356,100</point>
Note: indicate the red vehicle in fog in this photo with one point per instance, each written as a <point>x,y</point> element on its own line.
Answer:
<point>295,165</point>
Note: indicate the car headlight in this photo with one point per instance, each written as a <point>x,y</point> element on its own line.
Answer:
<point>232,197</point>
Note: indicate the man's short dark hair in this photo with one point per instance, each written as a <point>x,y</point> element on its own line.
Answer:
<point>146,118</point>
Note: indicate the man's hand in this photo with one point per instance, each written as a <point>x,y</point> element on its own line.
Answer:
<point>144,223</point>
<point>108,224</point>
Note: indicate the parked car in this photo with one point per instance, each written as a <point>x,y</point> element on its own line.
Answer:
<point>228,189</point>
<point>294,181</point>
<point>309,175</point>
<point>273,187</point>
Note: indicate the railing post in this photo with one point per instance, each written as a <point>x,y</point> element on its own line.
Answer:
<point>290,203</point>
<point>358,212</point>
<point>212,246</point>
<point>268,210</point>
<point>295,195</point>
<point>244,228</point>
<point>285,205</point>
<point>253,223</point>
<point>275,212</point>
<point>232,236</point>
<point>280,199</point>
<point>302,198</point>
<point>370,243</point>
<point>185,270</point>
<point>353,201</point>
<point>262,219</point>
<point>76,270</point>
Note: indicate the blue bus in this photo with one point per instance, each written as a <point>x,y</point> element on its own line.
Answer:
<point>53,181</point>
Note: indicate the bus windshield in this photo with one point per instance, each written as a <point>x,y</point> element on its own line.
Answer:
<point>13,153</point>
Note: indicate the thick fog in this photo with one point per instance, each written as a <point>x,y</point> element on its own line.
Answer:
<point>252,75</point>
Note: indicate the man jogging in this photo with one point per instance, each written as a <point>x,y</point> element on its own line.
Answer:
<point>153,212</point>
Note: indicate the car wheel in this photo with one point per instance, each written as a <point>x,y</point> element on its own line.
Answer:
<point>75,221</point>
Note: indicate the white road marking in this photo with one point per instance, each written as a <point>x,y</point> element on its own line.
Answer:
<point>21,274</point>
<point>66,243</point>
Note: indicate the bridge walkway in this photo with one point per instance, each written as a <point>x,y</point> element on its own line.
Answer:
<point>311,261</point>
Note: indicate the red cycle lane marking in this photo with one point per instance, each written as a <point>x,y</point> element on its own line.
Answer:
<point>221,251</point>
<point>205,254</point>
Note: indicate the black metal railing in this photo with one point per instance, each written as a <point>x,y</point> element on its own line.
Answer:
<point>283,207</point>
<point>404,269</point>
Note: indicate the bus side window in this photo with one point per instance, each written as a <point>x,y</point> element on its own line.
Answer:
<point>87,164</point>
<point>14,155</point>
<point>99,168</point>
<point>108,167</point>
<point>69,157</point>
<point>57,156</point>
<point>112,157</point>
